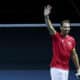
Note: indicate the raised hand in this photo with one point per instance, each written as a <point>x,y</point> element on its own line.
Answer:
<point>47,10</point>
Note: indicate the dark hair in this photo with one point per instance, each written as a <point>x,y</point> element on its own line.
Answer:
<point>66,21</point>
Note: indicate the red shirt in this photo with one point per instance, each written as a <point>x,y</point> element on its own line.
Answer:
<point>62,49</point>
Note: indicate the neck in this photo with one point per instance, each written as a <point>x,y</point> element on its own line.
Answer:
<point>64,35</point>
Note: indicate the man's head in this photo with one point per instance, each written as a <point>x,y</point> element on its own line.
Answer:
<point>65,27</point>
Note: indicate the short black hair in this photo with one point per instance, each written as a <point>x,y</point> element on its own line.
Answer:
<point>66,21</point>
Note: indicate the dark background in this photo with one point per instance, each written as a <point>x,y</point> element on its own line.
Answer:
<point>31,11</point>
<point>30,48</point>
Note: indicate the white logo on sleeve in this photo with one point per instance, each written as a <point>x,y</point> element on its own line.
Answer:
<point>62,41</point>
<point>69,43</point>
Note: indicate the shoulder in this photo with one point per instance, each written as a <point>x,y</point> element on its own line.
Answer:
<point>55,36</point>
<point>71,38</point>
<point>57,33</point>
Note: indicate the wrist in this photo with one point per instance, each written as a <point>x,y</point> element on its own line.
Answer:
<point>47,16</point>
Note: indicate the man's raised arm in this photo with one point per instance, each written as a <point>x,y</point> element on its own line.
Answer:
<point>47,11</point>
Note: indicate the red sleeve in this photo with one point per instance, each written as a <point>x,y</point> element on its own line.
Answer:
<point>55,36</point>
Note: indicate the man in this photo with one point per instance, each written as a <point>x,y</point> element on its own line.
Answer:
<point>63,47</point>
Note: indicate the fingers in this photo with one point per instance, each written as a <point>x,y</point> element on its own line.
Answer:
<point>77,74</point>
<point>47,10</point>
<point>48,7</point>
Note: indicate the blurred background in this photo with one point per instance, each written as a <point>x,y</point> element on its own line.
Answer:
<point>30,48</point>
<point>25,52</point>
<point>31,11</point>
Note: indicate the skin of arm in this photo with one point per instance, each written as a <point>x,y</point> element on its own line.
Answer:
<point>75,59</point>
<point>50,26</point>
<point>47,11</point>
